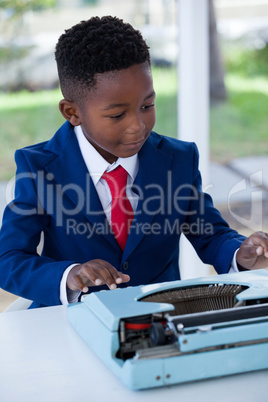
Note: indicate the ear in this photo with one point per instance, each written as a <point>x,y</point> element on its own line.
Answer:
<point>70,111</point>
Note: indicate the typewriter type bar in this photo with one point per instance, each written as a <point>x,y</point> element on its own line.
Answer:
<point>219,316</point>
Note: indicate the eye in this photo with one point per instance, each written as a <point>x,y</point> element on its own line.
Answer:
<point>147,107</point>
<point>117,116</point>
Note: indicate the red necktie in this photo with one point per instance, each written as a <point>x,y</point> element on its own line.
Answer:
<point>121,210</point>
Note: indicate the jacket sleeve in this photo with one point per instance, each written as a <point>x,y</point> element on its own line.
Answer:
<point>22,270</point>
<point>214,241</point>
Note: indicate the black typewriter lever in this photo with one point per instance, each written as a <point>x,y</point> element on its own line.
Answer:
<point>157,334</point>
<point>163,333</point>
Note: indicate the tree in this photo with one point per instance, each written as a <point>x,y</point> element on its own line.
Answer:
<point>217,87</point>
<point>16,8</point>
<point>11,25</point>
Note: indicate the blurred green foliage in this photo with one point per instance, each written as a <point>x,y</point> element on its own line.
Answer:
<point>248,62</point>
<point>9,53</point>
<point>11,17</point>
<point>17,8</point>
<point>239,126</point>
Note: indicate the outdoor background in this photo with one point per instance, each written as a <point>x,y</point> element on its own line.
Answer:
<point>29,92</point>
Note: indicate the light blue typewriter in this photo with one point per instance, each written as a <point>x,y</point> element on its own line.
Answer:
<point>174,332</point>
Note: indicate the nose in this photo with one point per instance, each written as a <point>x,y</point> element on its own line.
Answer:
<point>136,124</point>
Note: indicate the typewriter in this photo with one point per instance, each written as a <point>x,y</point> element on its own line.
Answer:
<point>174,332</point>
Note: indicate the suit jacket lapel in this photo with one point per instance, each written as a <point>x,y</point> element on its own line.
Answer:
<point>70,171</point>
<point>151,179</point>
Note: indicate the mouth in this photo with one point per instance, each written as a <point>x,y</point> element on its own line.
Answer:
<point>134,144</point>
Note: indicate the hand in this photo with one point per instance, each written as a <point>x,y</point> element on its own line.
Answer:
<point>253,252</point>
<point>94,273</point>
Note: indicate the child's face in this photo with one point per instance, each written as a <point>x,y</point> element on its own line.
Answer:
<point>119,114</point>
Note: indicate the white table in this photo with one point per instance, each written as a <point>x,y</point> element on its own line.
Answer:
<point>42,359</point>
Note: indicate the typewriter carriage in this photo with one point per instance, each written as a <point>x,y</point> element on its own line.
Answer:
<point>158,329</point>
<point>149,342</point>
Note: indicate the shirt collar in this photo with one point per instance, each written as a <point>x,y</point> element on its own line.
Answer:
<point>97,165</point>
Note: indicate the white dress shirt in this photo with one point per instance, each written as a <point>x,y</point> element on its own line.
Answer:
<point>96,166</point>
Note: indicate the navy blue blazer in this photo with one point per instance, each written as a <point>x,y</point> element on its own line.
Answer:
<point>55,195</point>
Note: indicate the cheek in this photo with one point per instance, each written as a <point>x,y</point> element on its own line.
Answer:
<point>97,131</point>
<point>108,136</point>
<point>151,120</point>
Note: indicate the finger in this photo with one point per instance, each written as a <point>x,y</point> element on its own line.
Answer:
<point>78,284</point>
<point>117,276</point>
<point>265,251</point>
<point>246,256</point>
<point>94,273</point>
<point>250,251</point>
<point>261,239</point>
<point>259,250</point>
<point>104,273</point>
<point>123,278</point>
<point>74,281</point>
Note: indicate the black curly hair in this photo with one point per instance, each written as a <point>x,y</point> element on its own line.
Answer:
<point>96,46</point>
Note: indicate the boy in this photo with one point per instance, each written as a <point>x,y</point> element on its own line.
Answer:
<point>67,188</point>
